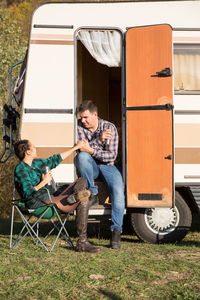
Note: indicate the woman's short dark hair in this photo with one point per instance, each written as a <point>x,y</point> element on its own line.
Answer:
<point>20,148</point>
<point>87,105</point>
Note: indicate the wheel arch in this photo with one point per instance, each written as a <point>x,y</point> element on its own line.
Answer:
<point>188,197</point>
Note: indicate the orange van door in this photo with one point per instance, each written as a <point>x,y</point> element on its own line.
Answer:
<point>149,116</point>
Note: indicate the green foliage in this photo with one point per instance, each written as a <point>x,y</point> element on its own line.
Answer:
<point>6,179</point>
<point>12,49</point>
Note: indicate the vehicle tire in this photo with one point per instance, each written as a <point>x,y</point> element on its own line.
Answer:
<point>162,225</point>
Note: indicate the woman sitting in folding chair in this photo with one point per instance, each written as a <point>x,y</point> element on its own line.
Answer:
<point>30,180</point>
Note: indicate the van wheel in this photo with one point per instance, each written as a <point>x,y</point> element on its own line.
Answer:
<point>162,225</point>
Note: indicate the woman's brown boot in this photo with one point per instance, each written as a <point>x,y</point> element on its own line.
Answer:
<point>82,195</point>
<point>83,245</point>
<point>79,191</point>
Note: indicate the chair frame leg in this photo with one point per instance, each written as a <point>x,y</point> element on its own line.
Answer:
<point>62,228</point>
<point>35,233</point>
<point>11,226</point>
<point>18,239</point>
<point>29,229</point>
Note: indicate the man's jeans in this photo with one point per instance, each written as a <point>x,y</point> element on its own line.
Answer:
<point>90,170</point>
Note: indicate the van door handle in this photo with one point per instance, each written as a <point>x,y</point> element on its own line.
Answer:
<point>168,157</point>
<point>163,73</point>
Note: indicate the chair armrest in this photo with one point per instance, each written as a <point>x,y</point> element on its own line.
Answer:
<point>15,201</point>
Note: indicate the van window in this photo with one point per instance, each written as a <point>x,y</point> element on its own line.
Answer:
<point>186,68</point>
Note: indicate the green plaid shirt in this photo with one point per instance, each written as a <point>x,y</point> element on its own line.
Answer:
<point>26,177</point>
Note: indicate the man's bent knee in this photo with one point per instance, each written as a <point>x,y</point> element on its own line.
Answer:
<point>83,160</point>
<point>84,157</point>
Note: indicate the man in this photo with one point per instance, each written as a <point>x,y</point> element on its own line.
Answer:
<point>97,158</point>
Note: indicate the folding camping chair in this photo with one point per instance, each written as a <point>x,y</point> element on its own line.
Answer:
<point>49,212</point>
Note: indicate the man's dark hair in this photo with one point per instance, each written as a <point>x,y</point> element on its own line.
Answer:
<point>87,105</point>
<point>20,148</point>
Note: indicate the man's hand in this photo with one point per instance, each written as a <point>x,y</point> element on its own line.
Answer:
<point>106,135</point>
<point>86,148</point>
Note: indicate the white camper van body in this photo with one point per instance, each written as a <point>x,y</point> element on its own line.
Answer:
<point>51,86</point>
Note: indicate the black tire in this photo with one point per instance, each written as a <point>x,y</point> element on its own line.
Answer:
<point>166,225</point>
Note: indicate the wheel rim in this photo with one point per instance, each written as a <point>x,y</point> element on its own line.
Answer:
<point>161,221</point>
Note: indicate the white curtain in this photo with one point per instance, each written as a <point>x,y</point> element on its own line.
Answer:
<point>187,72</point>
<point>105,46</point>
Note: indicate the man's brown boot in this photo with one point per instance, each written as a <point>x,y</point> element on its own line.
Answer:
<point>83,245</point>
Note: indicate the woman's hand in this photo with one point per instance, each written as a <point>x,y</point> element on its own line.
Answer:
<point>46,178</point>
<point>81,144</point>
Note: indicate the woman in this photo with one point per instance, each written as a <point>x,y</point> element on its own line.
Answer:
<point>30,179</point>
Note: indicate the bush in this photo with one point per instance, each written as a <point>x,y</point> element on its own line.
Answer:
<point>12,49</point>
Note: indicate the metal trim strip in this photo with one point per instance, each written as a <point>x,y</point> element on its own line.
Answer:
<point>187,112</point>
<point>185,29</point>
<point>53,26</point>
<point>47,111</point>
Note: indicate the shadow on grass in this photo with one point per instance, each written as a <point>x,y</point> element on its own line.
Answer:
<point>97,228</point>
<point>188,243</point>
<point>110,295</point>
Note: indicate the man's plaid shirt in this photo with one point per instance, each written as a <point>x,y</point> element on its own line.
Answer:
<point>26,177</point>
<point>102,153</point>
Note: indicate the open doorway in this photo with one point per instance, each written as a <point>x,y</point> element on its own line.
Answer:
<point>99,73</point>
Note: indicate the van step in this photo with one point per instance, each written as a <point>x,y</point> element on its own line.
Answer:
<point>96,210</point>
<point>196,194</point>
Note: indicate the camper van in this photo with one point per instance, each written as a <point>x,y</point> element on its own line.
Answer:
<point>140,63</point>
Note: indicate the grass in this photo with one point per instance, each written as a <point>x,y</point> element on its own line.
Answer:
<point>137,271</point>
